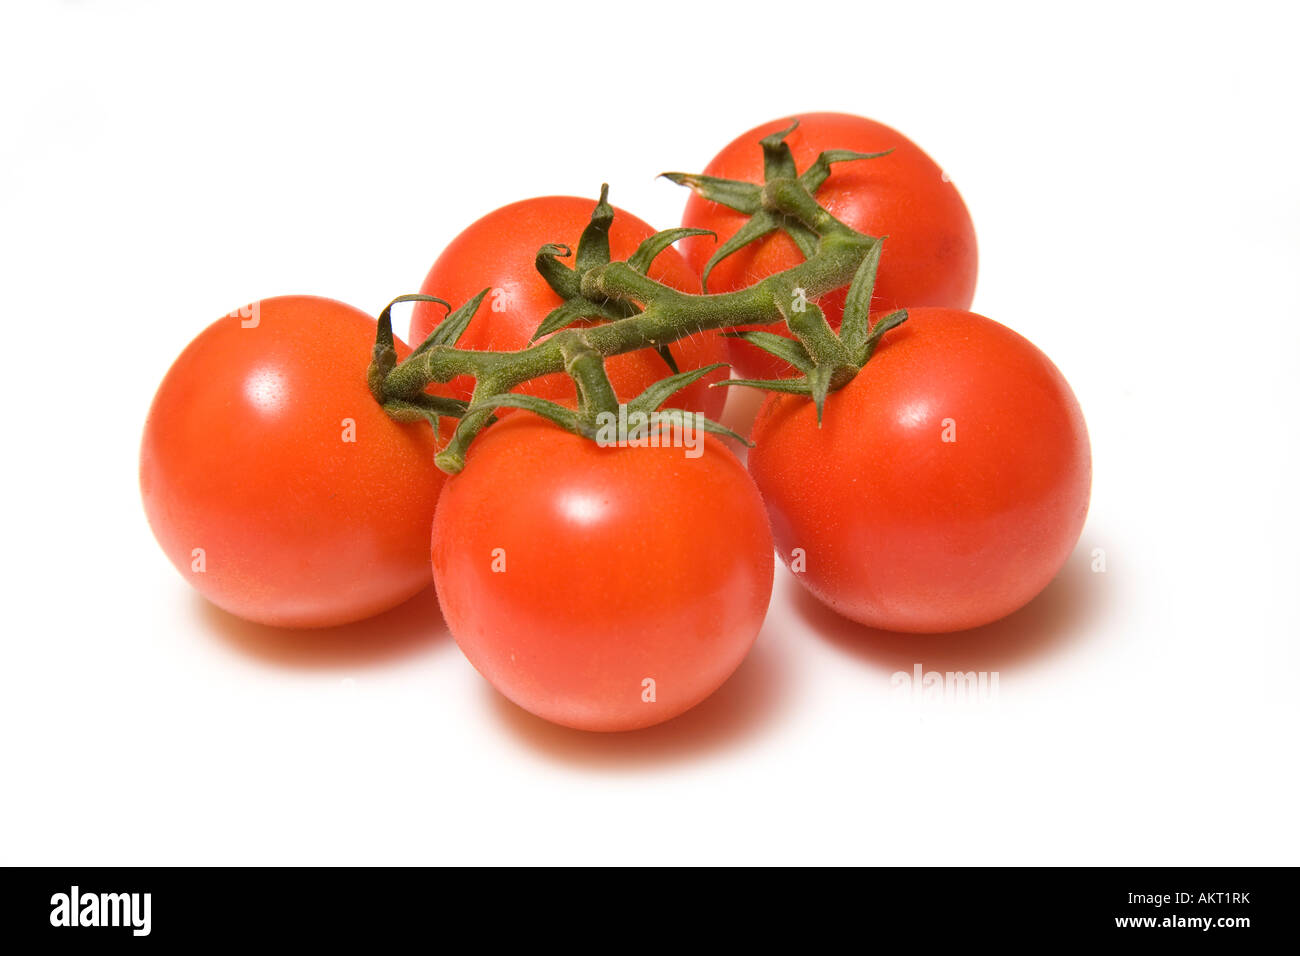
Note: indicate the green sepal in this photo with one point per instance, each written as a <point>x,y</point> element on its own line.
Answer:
<point>666,354</point>
<point>806,239</point>
<point>787,349</point>
<point>382,362</point>
<point>566,418</point>
<point>593,247</point>
<point>575,310</point>
<point>440,405</point>
<point>820,170</point>
<point>658,393</point>
<point>593,250</point>
<point>561,317</point>
<point>700,420</point>
<point>819,385</point>
<point>759,225</point>
<point>383,356</point>
<point>747,198</point>
<point>891,321</point>
<point>778,161</point>
<point>646,252</point>
<point>453,326</point>
<point>857,304</point>
<point>563,281</point>
<point>734,194</point>
<point>386,317</point>
<point>791,386</point>
<point>423,407</point>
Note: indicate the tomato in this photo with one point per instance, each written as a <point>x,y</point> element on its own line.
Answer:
<point>602,588</point>
<point>946,486</point>
<point>275,482</point>
<point>929,257</point>
<point>499,251</point>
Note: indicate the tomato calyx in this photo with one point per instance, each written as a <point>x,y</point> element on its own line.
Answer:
<point>768,206</point>
<point>418,406</point>
<point>787,201</point>
<point>825,361</point>
<point>593,251</point>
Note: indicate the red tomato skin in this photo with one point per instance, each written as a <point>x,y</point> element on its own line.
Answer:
<point>499,251</point>
<point>904,531</point>
<point>929,258</point>
<point>621,564</point>
<point>244,457</point>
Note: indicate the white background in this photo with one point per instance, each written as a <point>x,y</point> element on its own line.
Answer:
<point>1132,174</point>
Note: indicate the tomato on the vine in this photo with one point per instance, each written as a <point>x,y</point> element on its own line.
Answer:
<point>274,480</point>
<point>498,252</point>
<point>947,483</point>
<point>601,587</point>
<point>928,259</point>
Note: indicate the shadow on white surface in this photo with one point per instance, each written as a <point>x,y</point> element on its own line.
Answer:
<point>405,631</point>
<point>736,713</point>
<point>1049,624</point>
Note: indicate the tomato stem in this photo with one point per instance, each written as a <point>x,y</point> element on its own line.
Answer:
<point>636,312</point>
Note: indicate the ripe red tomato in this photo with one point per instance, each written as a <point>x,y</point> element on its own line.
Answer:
<point>602,588</point>
<point>929,257</point>
<point>498,252</point>
<point>946,486</point>
<point>275,482</point>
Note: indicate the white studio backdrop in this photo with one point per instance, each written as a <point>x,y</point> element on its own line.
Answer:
<point>1131,172</point>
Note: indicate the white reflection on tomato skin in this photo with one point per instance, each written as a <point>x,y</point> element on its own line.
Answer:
<point>914,414</point>
<point>583,508</point>
<point>265,389</point>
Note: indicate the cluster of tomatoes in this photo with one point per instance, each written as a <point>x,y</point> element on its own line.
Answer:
<point>614,587</point>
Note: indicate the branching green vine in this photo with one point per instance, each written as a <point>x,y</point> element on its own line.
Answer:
<point>633,311</point>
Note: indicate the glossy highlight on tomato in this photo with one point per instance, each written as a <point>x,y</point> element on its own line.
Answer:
<point>498,252</point>
<point>929,258</point>
<point>273,479</point>
<point>601,588</point>
<point>947,483</point>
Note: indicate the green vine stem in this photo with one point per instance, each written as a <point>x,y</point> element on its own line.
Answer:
<point>636,312</point>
